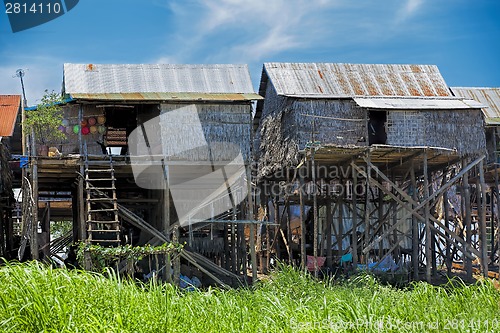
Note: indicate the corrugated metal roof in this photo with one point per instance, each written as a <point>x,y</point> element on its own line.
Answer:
<point>156,78</point>
<point>9,108</point>
<point>317,80</point>
<point>407,103</point>
<point>181,97</point>
<point>490,97</point>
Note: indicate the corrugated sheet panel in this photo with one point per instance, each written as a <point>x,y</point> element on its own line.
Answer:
<point>9,108</point>
<point>329,80</point>
<point>490,97</point>
<point>416,103</point>
<point>181,97</point>
<point>144,78</point>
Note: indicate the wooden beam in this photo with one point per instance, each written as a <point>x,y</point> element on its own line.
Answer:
<point>354,219</point>
<point>303,257</point>
<point>468,220</point>
<point>367,175</point>
<point>34,227</point>
<point>482,222</point>
<point>413,211</point>
<point>428,258</point>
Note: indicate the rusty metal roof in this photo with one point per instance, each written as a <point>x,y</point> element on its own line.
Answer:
<point>489,97</point>
<point>408,103</point>
<point>330,80</point>
<point>156,79</point>
<point>181,97</point>
<point>9,108</point>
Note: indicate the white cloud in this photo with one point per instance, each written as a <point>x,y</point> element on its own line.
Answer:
<point>262,27</point>
<point>410,8</point>
<point>254,31</point>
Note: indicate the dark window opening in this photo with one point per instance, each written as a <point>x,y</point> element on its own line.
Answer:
<point>377,127</point>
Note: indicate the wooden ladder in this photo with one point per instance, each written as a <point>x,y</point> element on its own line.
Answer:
<point>103,224</point>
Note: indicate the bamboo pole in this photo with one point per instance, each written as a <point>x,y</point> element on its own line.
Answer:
<point>34,229</point>
<point>381,221</point>
<point>251,217</point>
<point>303,257</point>
<point>482,221</point>
<point>468,230</point>
<point>446,207</point>
<point>315,214</point>
<point>367,209</point>
<point>329,221</point>
<point>354,219</point>
<point>428,258</point>
<point>421,205</point>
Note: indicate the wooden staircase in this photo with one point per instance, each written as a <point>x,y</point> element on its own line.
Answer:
<point>103,224</point>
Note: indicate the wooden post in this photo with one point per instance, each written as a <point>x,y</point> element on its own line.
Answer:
<point>433,236</point>
<point>497,155</point>
<point>303,256</point>
<point>354,219</point>
<point>482,221</point>
<point>340,222</point>
<point>428,235</point>
<point>367,207</point>
<point>446,207</point>
<point>34,229</point>
<point>381,222</point>
<point>329,221</point>
<point>289,232</point>
<point>315,213</point>
<point>233,246</point>
<point>251,217</point>
<point>46,232</point>
<point>415,232</point>
<point>468,221</point>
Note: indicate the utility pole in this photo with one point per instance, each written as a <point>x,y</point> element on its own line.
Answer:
<point>20,74</point>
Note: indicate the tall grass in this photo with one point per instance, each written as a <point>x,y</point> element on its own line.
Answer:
<point>34,298</point>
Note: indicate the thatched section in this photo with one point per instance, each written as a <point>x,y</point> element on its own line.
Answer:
<point>205,132</point>
<point>461,130</point>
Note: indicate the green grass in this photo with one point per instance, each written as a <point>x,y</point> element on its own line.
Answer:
<point>34,298</point>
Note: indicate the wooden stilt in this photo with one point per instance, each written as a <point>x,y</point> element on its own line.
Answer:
<point>329,221</point>
<point>428,258</point>
<point>251,217</point>
<point>482,222</point>
<point>367,207</point>
<point>381,221</point>
<point>340,222</point>
<point>34,235</point>
<point>415,232</point>
<point>497,191</point>
<point>268,238</point>
<point>433,235</point>
<point>354,219</point>
<point>468,220</point>
<point>303,257</point>
<point>315,215</point>
<point>289,232</point>
<point>448,254</point>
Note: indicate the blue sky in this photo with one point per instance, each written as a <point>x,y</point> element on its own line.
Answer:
<point>462,37</point>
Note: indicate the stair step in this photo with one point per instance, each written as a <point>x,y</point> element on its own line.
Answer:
<point>102,199</point>
<point>103,230</point>
<point>99,170</point>
<point>100,179</point>
<point>102,210</point>
<point>101,188</point>
<point>105,240</point>
<point>103,222</point>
